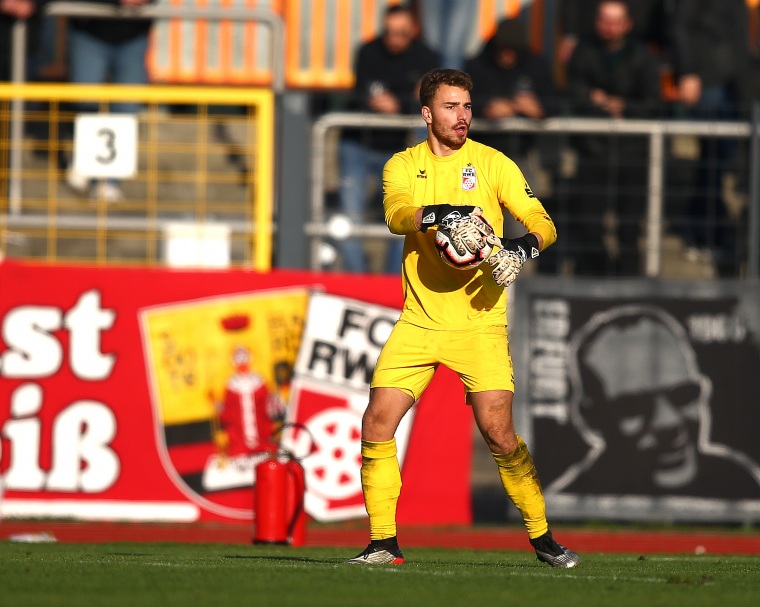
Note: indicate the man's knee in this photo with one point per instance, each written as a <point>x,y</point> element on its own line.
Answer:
<point>386,408</point>
<point>502,441</point>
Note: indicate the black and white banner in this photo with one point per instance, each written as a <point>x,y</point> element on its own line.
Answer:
<point>642,400</point>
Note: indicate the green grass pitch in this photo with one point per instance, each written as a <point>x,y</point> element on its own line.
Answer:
<point>196,575</point>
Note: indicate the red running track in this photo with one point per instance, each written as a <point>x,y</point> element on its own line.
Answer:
<point>351,536</point>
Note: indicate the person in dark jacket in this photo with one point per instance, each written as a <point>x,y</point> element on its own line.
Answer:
<point>611,76</point>
<point>510,80</point>
<point>387,70</point>
<point>650,19</point>
<point>711,58</point>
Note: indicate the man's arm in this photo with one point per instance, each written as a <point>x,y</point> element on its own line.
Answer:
<point>400,212</point>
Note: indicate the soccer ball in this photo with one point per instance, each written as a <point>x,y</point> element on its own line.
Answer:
<point>451,256</point>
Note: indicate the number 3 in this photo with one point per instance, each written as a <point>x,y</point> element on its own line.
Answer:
<point>109,146</point>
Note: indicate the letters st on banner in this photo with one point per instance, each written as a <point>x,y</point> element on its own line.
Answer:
<point>643,403</point>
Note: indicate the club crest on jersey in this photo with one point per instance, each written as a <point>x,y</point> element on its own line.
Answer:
<point>469,178</point>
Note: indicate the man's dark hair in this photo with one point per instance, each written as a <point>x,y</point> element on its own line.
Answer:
<point>435,78</point>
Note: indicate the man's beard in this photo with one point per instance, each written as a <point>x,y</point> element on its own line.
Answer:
<point>449,138</point>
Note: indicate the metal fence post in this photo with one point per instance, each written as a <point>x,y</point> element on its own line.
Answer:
<point>753,248</point>
<point>653,258</point>
<point>17,116</point>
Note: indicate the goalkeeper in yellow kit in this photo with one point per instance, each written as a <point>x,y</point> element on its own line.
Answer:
<point>450,316</point>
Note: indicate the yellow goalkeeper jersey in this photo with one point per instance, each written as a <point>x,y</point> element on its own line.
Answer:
<point>437,296</point>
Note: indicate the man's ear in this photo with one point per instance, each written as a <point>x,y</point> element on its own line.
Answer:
<point>426,115</point>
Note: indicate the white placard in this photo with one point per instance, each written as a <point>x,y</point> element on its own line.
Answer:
<point>197,245</point>
<point>105,145</point>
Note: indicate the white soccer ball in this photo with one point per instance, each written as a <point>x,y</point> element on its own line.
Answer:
<point>451,256</point>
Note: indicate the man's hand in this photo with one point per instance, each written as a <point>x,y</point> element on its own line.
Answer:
<point>445,214</point>
<point>509,260</point>
<point>690,89</point>
<point>499,108</point>
<point>469,235</point>
<point>384,102</point>
<point>613,105</point>
<point>527,104</point>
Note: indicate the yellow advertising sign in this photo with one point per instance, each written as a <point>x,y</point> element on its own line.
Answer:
<point>191,348</point>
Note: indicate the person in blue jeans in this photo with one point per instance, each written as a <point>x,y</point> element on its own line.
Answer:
<point>711,58</point>
<point>449,26</point>
<point>107,50</point>
<point>388,70</point>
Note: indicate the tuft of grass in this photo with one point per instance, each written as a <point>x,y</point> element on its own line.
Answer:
<point>196,575</point>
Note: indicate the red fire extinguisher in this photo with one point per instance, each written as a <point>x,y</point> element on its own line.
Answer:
<point>279,515</point>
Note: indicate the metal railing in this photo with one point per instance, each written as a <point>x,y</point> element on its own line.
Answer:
<point>186,175</point>
<point>101,11</point>
<point>152,11</point>
<point>655,130</point>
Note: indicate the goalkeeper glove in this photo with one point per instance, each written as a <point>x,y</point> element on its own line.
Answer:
<point>525,246</point>
<point>444,214</point>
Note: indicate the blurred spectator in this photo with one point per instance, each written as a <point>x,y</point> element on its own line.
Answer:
<point>447,27</point>
<point>711,60</point>
<point>577,19</point>
<point>10,11</point>
<point>388,70</point>
<point>509,80</point>
<point>611,76</point>
<point>107,50</point>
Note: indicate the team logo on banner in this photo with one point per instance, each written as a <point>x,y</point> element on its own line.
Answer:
<point>469,178</point>
<point>340,345</point>
<point>220,372</point>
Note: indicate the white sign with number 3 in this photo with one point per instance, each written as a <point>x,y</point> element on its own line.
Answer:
<point>105,145</point>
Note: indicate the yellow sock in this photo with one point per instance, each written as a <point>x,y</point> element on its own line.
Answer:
<point>520,479</point>
<point>381,484</point>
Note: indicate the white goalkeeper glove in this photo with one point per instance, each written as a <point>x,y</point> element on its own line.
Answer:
<point>469,235</point>
<point>508,261</point>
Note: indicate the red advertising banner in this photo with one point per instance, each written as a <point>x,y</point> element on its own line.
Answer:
<point>149,394</point>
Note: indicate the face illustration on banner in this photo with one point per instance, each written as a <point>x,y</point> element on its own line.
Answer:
<point>642,404</point>
<point>220,375</point>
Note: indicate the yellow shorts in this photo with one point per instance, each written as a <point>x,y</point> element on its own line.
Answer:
<point>412,354</point>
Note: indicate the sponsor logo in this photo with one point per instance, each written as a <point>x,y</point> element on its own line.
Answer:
<point>469,178</point>
<point>422,174</point>
<point>450,219</point>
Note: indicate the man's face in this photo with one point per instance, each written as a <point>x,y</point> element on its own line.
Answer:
<point>450,114</point>
<point>398,33</point>
<point>612,23</point>
<point>652,399</point>
<point>506,58</point>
